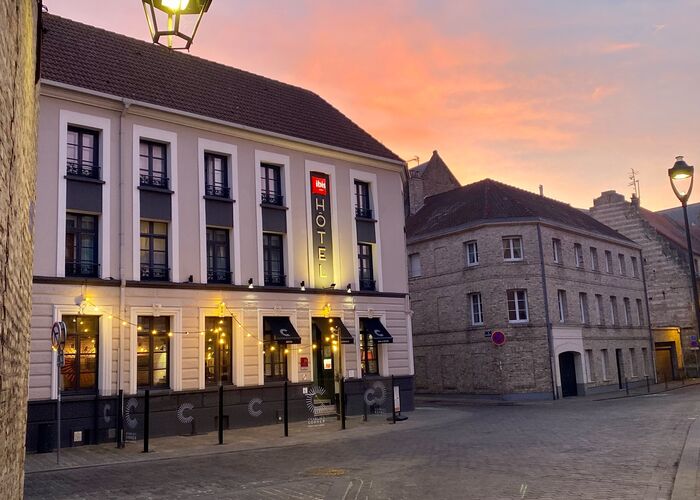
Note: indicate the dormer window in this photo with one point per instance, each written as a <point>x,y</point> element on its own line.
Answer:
<point>362,205</point>
<point>82,155</point>
<point>216,175</point>
<point>271,184</point>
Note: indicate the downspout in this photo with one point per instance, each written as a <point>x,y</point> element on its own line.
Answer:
<point>550,342</point>
<point>646,302</point>
<point>122,268</point>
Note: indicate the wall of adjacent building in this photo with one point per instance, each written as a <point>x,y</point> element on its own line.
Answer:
<point>452,355</point>
<point>17,173</point>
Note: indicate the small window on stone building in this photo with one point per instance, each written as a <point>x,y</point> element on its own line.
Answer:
<point>578,254</point>
<point>561,299</point>
<point>622,266</point>
<point>477,309</point>
<point>605,363</point>
<point>628,311</point>
<point>583,305</point>
<point>633,364</point>
<point>613,311</point>
<point>594,259</point>
<point>512,248</point>
<point>556,250</point>
<point>414,269</point>
<point>472,249</point>
<point>517,306</point>
<point>645,361</point>
<point>608,262</point>
<point>640,313</point>
<point>591,366</point>
<point>635,267</point>
<point>601,309</point>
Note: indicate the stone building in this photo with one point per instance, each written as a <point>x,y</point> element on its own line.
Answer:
<point>490,263</point>
<point>204,226</point>
<point>18,21</point>
<point>427,179</point>
<point>663,241</point>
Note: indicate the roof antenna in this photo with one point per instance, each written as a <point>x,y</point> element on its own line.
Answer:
<point>541,190</point>
<point>634,182</point>
<point>415,158</point>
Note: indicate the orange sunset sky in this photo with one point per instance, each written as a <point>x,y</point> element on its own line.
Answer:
<point>570,94</point>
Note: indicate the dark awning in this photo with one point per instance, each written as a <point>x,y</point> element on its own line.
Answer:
<point>282,329</point>
<point>334,325</point>
<point>374,327</point>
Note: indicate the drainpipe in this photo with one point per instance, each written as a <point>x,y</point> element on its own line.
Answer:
<point>652,352</point>
<point>550,342</point>
<point>122,268</point>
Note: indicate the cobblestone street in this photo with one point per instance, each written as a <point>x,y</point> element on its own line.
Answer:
<point>617,448</point>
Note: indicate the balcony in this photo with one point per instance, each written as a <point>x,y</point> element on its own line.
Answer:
<point>86,170</point>
<point>218,276</point>
<point>154,179</point>
<point>363,213</point>
<point>155,272</point>
<point>83,269</point>
<point>368,285</point>
<point>217,191</point>
<point>271,198</point>
<point>275,279</point>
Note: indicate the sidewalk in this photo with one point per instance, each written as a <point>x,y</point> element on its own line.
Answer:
<point>495,400</point>
<point>249,438</point>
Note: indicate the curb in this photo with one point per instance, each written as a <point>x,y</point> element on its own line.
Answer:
<point>685,482</point>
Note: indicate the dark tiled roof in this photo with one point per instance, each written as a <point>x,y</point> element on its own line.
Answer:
<point>91,58</point>
<point>491,201</point>
<point>673,231</point>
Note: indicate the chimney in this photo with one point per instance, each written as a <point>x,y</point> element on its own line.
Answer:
<point>634,200</point>
<point>541,190</point>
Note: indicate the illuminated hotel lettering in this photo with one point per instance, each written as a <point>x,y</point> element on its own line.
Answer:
<point>322,231</point>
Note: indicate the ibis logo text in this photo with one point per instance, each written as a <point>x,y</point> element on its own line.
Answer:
<point>322,230</point>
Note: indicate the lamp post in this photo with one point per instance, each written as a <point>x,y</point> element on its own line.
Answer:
<point>170,13</point>
<point>682,173</point>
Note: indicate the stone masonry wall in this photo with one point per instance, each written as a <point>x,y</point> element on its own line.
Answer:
<point>453,355</point>
<point>666,270</point>
<point>17,177</point>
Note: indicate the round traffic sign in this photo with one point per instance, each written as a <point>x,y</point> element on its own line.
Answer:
<point>498,338</point>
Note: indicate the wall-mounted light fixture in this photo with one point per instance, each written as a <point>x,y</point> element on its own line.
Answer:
<point>302,285</point>
<point>250,282</point>
<point>174,19</point>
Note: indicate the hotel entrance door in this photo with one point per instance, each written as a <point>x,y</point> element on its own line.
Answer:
<point>324,361</point>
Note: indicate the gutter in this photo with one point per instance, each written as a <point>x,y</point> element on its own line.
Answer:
<point>550,340</point>
<point>122,267</point>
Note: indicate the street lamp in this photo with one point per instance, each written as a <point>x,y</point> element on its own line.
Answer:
<point>681,175</point>
<point>170,13</point>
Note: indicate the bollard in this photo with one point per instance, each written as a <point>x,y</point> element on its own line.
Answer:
<point>648,388</point>
<point>665,383</point>
<point>627,387</point>
<point>146,419</point>
<point>221,414</point>
<point>120,419</point>
<point>286,409</point>
<point>342,403</point>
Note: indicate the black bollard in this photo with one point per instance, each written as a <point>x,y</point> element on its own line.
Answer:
<point>393,403</point>
<point>286,409</point>
<point>146,419</point>
<point>120,419</point>
<point>627,387</point>
<point>221,414</point>
<point>648,388</point>
<point>342,403</point>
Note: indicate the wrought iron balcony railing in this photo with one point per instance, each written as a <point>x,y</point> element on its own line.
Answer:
<point>155,272</point>
<point>275,279</point>
<point>83,170</point>
<point>154,180</point>
<point>83,268</point>
<point>218,191</point>
<point>368,285</point>
<point>271,198</point>
<point>218,276</point>
<point>365,213</point>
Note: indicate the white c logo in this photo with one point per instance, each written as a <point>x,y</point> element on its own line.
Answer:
<point>284,332</point>
<point>252,411</point>
<point>181,413</point>
<point>130,406</point>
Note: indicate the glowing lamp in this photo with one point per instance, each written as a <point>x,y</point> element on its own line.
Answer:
<point>682,172</point>
<point>176,20</point>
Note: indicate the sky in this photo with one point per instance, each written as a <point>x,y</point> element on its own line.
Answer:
<point>569,94</point>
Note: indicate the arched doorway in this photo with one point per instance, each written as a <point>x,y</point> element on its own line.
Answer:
<point>567,373</point>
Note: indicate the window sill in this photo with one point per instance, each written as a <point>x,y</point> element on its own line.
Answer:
<point>472,266</point>
<point>161,391</point>
<point>155,189</point>
<point>219,198</point>
<point>273,206</point>
<point>519,322</point>
<point>513,260</point>
<point>80,178</point>
<point>78,395</point>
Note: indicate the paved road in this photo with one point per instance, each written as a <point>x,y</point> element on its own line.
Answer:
<point>614,449</point>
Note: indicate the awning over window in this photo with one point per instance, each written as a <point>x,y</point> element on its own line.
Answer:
<point>378,332</point>
<point>281,329</point>
<point>331,326</point>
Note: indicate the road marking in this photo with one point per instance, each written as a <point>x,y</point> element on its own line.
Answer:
<point>523,490</point>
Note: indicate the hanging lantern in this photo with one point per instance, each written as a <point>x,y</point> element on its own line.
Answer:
<point>176,20</point>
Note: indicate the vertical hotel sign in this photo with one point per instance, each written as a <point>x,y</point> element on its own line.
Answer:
<point>322,230</point>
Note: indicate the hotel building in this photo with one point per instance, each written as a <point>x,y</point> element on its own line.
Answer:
<point>199,225</point>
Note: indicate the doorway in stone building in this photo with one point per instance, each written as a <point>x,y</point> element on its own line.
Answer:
<point>567,373</point>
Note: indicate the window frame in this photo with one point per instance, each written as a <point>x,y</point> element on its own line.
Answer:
<point>468,246</point>
<point>614,311</point>
<point>271,185</point>
<point>146,332</point>
<point>608,262</point>
<point>77,235</point>
<point>556,250</point>
<point>601,309</point>
<point>584,309</point>
<point>367,345</point>
<point>635,266</point>
<point>212,187</point>
<point>79,354</point>
<point>628,310</point>
<point>640,312</point>
<point>149,268</point>
<point>477,308</point>
<point>595,264</point>
<point>510,240</point>
<point>363,200</point>
<point>148,176</point>
<point>365,267</point>
<point>516,302</point>
<point>271,250</point>
<point>211,326</point>
<point>622,264</point>
<point>280,359</point>
<point>414,257</point>
<point>78,166</point>
<point>578,256</point>
<point>215,273</point>
<point>562,305</point>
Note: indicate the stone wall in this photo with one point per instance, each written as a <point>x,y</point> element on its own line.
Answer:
<point>454,355</point>
<point>17,177</point>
